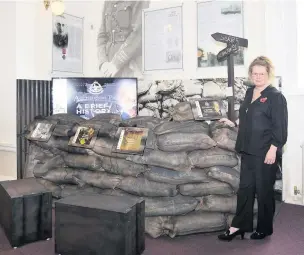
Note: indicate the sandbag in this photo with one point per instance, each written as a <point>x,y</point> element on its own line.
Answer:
<point>60,143</point>
<point>151,142</point>
<point>104,145</point>
<point>154,226</point>
<point>122,166</point>
<point>195,222</point>
<point>65,130</point>
<point>89,162</point>
<point>219,125</point>
<point>178,141</point>
<point>172,160</point>
<point>160,206</point>
<point>107,116</point>
<point>159,174</point>
<point>225,138</point>
<point>61,176</point>
<point>229,132</point>
<point>64,118</point>
<point>208,188</point>
<point>105,129</point>
<point>182,111</point>
<point>212,157</point>
<point>52,187</point>
<point>37,153</point>
<point>217,203</point>
<point>169,206</point>
<point>144,122</point>
<point>97,179</point>
<point>68,190</point>
<point>225,174</point>
<point>35,158</point>
<point>143,187</point>
<point>238,166</point>
<point>182,126</point>
<point>119,193</point>
<point>220,203</point>
<point>55,162</point>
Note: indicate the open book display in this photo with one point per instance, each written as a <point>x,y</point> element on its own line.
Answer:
<point>132,140</point>
<point>42,131</point>
<point>85,137</point>
<point>208,109</point>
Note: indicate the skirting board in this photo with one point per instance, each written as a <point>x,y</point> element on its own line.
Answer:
<point>7,178</point>
<point>7,147</point>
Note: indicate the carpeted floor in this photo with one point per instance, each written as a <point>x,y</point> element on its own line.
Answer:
<point>288,238</point>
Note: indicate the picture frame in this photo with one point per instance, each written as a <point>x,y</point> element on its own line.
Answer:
<point>85,137</point>
<point>42,131</point>
<point>228,18</point>
<point>131,140</point>
<point>208,109</point>
<point>162,38</point>
<point>67,43</point>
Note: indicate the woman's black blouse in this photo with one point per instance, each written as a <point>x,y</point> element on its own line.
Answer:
<point>263,122</point>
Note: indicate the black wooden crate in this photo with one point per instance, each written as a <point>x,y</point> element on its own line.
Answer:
<point>26,211</point>
<point>99,224</point>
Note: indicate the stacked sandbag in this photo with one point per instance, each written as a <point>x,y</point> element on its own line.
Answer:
<point>188,173</point>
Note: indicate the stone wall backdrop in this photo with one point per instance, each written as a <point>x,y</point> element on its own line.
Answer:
<point>158,98</point>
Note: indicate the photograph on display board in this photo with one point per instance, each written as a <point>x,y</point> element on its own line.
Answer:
<point>88,97</point>
<point>218,17</point>
<point>131,140</point>
<point>84,137</point>
<point>42,131</point>
<point>208,109</point>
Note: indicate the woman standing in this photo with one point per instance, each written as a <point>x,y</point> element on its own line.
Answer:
<point>263,120</point>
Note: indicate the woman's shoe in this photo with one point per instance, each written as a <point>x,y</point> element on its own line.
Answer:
<point>257,236</point>
<point>228,237</point>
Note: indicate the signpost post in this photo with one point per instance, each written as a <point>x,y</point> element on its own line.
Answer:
<point>233,44</point>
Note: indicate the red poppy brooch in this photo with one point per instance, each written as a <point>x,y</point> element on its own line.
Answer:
<point>263,99</point>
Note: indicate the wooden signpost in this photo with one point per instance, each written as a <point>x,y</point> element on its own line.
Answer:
<point>233,45</point>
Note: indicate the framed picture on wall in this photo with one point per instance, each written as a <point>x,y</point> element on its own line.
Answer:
<point>218,16</point>
<point>163,39</point>
<point>67,44</point>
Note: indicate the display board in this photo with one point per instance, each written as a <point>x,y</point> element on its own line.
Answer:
<point>67,46</point>
<point>87,97</point>
<point>163,39</point>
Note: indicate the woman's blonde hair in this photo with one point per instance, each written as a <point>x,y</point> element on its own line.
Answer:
<point>262,61</point>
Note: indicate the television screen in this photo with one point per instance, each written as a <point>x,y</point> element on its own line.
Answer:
<point>88,97</point>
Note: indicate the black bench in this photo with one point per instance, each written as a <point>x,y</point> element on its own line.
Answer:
<point>26,211</point>
<point>99,224</point>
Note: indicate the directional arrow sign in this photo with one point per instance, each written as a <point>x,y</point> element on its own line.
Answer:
<point>233,44</point>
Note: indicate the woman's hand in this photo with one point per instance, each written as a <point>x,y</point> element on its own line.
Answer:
<point>227,122</point>
<point>271,156</point>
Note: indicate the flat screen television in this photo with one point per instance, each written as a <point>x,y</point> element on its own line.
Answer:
<point>88,97</point>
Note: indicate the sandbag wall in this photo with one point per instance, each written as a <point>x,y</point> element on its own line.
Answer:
<point>188,174</point>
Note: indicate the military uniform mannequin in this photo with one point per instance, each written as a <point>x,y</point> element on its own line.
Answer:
<point>120,38</point>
